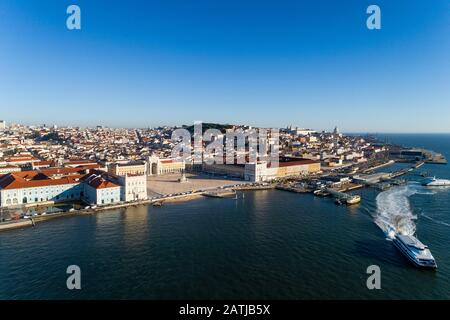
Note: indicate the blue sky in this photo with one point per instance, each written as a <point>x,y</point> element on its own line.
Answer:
<point>265,63</point>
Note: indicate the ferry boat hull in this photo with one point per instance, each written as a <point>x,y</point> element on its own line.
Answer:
<point>437,183</point>
<point>429,264</point>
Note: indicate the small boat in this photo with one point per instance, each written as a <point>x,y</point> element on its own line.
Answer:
<point>157,204</point>
<point>415,251</point>
<point>321,193</point>
<point>399,182</point>
<point>353,200</point>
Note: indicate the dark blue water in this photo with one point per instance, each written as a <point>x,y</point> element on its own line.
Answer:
<point>270,244</point>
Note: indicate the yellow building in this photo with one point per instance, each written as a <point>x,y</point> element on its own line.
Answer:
<point>156,166</point>
<point>130,168</point>
<point>262,171</point>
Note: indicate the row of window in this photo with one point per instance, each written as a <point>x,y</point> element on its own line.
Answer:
<point>37,191</point>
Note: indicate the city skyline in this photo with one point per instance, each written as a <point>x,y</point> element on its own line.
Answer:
<point>264,64</point>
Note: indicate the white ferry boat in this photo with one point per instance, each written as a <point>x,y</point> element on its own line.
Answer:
<point>433,182</point>
<point>415,251</point>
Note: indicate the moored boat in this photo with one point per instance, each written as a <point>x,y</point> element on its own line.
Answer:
<point>353,199</point>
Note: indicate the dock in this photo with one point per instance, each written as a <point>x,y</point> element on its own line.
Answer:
<point>220,194</point>
<point>294,189</point>
<point>417,154</point>
<point>256,187</point>
<point>343,197</point>
<point>375,179</point>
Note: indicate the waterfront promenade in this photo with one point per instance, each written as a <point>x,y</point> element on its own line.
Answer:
<point>196,186</point>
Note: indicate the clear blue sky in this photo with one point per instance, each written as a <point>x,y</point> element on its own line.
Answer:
<point>266,63</point>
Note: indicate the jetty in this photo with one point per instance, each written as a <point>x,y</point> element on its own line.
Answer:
<point>343,197</point>
<point>220,194</point>
<point>295,189</point>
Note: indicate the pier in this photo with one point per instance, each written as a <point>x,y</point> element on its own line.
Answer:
<point>375,179</point>
<point>342,197</point>
<point>294,189</point>
<point>417,154</point>
<point>220,194</point>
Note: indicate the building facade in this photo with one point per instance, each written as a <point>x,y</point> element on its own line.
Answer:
<point>8,169</point>
<point>131,168</point>
<point>134,187</point>
<point>91,186</point>
<point>100,191</point>
<point>157,166</point>
<point>15,190</point>
<point>264,171</point>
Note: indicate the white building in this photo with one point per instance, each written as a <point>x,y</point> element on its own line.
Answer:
<point>9,168</point>
<point>100,191</point>
<point>133,187</point>
<point>15,190</point>
<point>57,185</point>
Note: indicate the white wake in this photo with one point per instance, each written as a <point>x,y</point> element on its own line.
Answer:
<point>394,214</point>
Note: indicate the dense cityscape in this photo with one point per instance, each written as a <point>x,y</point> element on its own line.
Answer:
<point>88,169</point>
<point>224,159</point>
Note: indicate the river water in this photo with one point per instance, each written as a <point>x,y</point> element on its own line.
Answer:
<point>266,244</point>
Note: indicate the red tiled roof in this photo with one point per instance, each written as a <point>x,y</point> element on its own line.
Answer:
<point>42,163</point>
<point>21,158</point>
<point>13,181</point>
<point>71,162</point>
<point>42,178</point>
<point>100,179</point>
<point>9,166</point>
<point>100,183</point>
